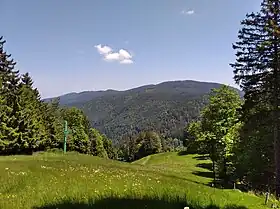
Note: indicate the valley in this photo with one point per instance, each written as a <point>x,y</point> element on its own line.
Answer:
<point>165,108</point>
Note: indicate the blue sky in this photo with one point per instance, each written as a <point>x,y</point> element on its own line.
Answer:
<point>76,45</point>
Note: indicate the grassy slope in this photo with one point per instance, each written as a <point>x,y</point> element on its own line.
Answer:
<point>166,180</point>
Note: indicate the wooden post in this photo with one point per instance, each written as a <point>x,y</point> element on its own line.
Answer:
<point>65,136</point>
<point>266,198</point>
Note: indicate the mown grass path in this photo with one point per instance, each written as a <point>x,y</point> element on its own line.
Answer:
<point>145,161</point>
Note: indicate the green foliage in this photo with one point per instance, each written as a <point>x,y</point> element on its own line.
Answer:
<point>53,122</point>
<point>254,152</point>
<point>110,149</point>
<point>31,124</point>
<point>257,72</point>
<point>10,108</point>
<point>78,140</point>
<point>147,143</point>
<point>217,130</point>
<point>194,138</point>
<point>139,146</point>
<point>171,144</point>
<point>128,148</point>
<point>96,144</point>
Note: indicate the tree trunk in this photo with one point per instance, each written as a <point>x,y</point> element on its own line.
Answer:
<point>277,160</point>
<point>214,173</point>
<point>276,106</point>
<point>225,172</point>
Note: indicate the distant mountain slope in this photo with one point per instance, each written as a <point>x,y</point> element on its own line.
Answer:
<point>81,97</point>
<point>166,107</point>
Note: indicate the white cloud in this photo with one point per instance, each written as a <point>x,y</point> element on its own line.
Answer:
<point>112,56</point>
<point>122,56</point>
<point>188,12</point>
<point>126,61</point>
<point>103,49</point>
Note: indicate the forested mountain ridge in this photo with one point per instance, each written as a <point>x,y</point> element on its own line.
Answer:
<point>166,107</point>
<point>84,96</point>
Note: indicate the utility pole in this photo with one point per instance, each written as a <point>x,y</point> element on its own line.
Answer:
<point>65,136</point>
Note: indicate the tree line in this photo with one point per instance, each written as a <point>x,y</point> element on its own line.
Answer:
<point>137,146</point>
<point>27,124</point>
<point>242,137</point>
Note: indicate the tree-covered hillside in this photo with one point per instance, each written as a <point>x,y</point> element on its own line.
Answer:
<point>165,108</point>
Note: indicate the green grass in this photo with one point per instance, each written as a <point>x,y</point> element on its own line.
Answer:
<point>163,181</point>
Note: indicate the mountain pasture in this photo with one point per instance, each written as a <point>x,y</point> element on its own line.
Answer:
<point>167,180</point>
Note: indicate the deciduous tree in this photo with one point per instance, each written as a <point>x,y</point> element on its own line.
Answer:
<point>216,130</point>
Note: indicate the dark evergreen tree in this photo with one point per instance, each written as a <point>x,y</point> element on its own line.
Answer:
<point>128,148</point>
<point>3,119</point>
<point>257,71</point>
<point>53,122</point>
<point>10,93</point>
<point>253,152</point>
<point>31,124</point>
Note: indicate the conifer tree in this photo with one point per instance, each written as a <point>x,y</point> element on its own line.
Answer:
<point>257,70</point>
<point>3,119</point>
<point>53,123</point>
<point>10,106</point>
<point>31,123</point>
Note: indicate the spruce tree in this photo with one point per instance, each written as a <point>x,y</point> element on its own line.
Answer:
<point>22,127</point>
<point>31,124</point>
<point>3,119</point>
<point>9,91</point>
<point>53,122</point>
<point>253,152</point>
<point>257,70</point>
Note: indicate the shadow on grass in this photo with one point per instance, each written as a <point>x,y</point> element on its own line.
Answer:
<point>206,174</point>
<point>184,179</point>
<point>202,157</point>
<point>181,153</point>
<point>131,203</point>
<point>207,166</point>
<point>234,207</point>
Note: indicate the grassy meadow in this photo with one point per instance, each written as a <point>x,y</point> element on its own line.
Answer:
<point>166,181</point>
